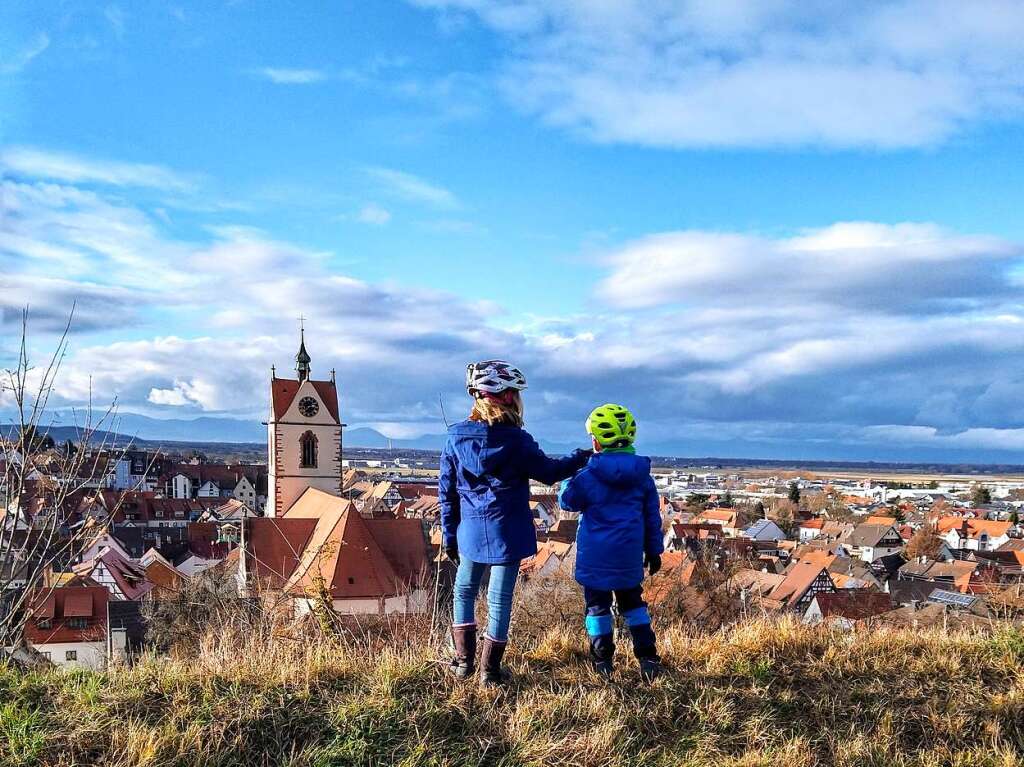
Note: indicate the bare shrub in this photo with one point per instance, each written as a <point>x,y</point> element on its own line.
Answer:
<point>543,603</point>
<point>43,484</point>
<point>924,543</point>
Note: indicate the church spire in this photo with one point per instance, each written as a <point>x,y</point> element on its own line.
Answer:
<point>302,359</point>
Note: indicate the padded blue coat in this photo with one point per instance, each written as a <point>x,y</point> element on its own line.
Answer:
<point>620,519</point>
<point>484,489</point>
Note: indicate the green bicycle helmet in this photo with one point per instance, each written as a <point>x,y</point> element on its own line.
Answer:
<point>612,426</point>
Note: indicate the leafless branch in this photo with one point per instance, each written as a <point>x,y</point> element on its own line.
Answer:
<point>46,487</point>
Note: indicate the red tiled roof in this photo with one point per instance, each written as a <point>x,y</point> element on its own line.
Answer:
<point>273,546</point>
<point>403,543</point>
<point>798,580</point>
<point>880,520</point>
<point>855,604</point>
<point>78,604</point>
<point>972,528</point>
<point>283,391</point>
<point>563,530</point>
<point>329,394</point>
<point>322,539</point>
<point>724,515</point>
<point>202,541</point>
<point>221,473</point>
<point>129,577</point>
<point>361,569</point>
<point>164,576</point>
<point>413,492</point>
<point>47,609</point>
<point>55,601</point>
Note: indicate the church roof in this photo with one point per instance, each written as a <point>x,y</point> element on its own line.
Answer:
<point>322,539</point>
<point>283,391</point>
<point>272,548</point>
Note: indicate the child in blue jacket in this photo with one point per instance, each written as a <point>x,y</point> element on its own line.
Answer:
<point>619,536</point>
<point>484,491</point>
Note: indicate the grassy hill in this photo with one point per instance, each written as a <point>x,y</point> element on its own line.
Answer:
<point>759,693</point>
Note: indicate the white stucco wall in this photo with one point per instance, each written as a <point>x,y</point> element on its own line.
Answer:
<point>181,486</point>
<point>91,655</point>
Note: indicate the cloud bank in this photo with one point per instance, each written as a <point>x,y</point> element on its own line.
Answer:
<point>685,73</point>
<point>858,336</point>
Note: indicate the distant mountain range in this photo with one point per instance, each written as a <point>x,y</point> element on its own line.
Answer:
<point>144,429</point>
<point>229,431</point>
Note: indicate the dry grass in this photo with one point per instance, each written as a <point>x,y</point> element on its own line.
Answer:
<point>763,692</point>
<point>749,695</point>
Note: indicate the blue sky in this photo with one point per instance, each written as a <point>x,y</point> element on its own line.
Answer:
<point>771,228</point>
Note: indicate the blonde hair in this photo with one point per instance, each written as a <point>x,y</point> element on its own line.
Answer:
<point>493,411</point>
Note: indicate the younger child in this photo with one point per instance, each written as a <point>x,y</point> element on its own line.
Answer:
<point>619,535</point>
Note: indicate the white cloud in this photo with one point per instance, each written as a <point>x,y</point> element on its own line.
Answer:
<point>72,168</point>
<point>808,338</point>
<point>248,288</point>
<point>286,76</point>
<point>675,73</point>
<point>23,57</point>
<point>175,397</point>
<point>413,188</point>
<point>854,263</point>
<point>926,436</point>
<point>373,214</point>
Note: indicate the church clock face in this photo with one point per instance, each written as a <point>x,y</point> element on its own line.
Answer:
<point>309,407</point>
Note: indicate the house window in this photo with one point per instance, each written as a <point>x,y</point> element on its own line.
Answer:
<point>78,623</point>
<point>351,580</point>
<point>44,623</point>
<point>71,655</point>
<point>307,444</point>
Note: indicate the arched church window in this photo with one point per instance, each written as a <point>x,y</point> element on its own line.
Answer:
<point>307,445</point>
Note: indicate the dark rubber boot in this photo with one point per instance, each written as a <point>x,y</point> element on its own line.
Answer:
<point>650,667</point>
<point>491,672</point>
<point>602,654</point>
<point>464,662</point>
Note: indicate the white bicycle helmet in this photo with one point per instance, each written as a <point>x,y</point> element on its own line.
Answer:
<point>493,377</point>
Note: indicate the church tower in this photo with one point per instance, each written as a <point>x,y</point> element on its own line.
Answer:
<point>303,435</point>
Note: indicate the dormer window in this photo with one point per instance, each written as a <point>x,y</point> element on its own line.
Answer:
<point>307,445</point>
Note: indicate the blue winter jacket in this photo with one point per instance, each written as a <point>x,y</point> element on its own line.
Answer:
<point>620,520</point>
<point>484,490</point>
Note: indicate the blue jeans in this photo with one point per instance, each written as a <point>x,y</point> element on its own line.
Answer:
<point>499,595</point>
